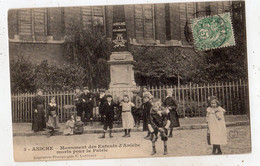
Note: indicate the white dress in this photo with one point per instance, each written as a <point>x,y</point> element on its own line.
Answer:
<point>217,125</point>
<point>127,117</point>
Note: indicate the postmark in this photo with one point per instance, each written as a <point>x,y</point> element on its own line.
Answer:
<point>212,32</point>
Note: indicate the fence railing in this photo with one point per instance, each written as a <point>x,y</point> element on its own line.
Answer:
<point>191,99</point>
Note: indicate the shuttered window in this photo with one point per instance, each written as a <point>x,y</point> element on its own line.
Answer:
<point>144,22</point>
<point>33,22</point>
<point>40,22</point>
<point>25,22</point>
<point>93,17</point>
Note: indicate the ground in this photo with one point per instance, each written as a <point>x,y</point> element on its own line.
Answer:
<point>184,143</point>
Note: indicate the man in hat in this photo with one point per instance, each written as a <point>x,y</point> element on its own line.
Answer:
<point>108,115</point>
<point>137,111</point>
<point>87,105</point>
<point>170,103</point>
<point>77,98</point>
<point>102,101</point>
<point>146,114</point>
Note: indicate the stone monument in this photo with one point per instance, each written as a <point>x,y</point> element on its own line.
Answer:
<point>121,61</point>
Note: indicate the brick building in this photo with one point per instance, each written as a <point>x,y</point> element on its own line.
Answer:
<point>39,33</point>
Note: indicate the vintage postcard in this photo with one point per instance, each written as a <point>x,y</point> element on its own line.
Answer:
<point>129,81</point>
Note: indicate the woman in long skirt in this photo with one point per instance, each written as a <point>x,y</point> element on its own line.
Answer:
<point>170,103</point>
<point>38,122</point>
<point>127,117</point>
<point>52,116</point>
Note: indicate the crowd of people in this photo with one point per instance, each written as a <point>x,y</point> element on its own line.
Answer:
<point>158,117</point>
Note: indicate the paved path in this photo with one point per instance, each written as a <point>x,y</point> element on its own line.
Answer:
<point>184,143</point>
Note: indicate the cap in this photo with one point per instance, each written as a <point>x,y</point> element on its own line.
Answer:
<point>85,88</point>
<point>109,95</point>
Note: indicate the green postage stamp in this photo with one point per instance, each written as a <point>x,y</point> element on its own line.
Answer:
<point>213,32</point>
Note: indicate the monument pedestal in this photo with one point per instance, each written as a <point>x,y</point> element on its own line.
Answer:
<point>121,74</point>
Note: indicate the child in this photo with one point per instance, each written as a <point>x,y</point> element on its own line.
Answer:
<point>77,98</point>
<point>159,122</point>
<point>137,112</point>
<point>216,125</point>
<point>79,126</point>
<point>109,114</point>
<point>170,103</point>
<point>102,101</point>
<point>146,92</point>
<point>146,114</point>
<point>69,126</point>
<point>52,116</point>
<point>127,117</point>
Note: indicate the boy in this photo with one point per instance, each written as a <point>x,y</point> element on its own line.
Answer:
<point>146,114</point>
<point>170,103</point>
<point>102,101</point>
<point>87,105</point>
<point>158,122</point>
<point>108,114</point>
<point>137,112</point>
<point>77,98</point>
<point>146,92</point>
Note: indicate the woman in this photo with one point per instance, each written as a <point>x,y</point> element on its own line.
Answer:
<point>38,122</point>
<point>170,103</point>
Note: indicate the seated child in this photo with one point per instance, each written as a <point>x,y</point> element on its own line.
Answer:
<point>158,121</point>
<point>79,126</point>
<point>69,126</point>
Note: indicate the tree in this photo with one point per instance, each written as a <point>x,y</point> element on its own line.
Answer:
<point>89,49</point>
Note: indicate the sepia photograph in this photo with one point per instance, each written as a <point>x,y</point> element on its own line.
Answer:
<point>129,81</point>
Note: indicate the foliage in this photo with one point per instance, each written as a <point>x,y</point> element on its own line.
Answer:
<point>163,65</point>
<point>26,77</point>
<point>22,75</point>
<point>88,48</point>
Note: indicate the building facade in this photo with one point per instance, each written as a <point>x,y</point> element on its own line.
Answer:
<point>40,33</point>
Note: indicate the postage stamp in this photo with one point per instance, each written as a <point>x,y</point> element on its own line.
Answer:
<point>213,32</point>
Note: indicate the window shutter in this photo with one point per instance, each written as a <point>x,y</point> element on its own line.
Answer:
<point>39,22</point>
<point>148,24</point>
<point>139,24</point>
<point>25,22</point>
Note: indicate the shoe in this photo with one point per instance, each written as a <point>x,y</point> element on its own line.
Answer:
<point>154,151</point>
<point>170,136</point>
<point>103,136</point>
<point>165,151</point>
<point>128,135</point>
<point>147,137</point>
<point>124,135</point>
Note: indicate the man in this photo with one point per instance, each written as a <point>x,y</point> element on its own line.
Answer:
<point>102,101</point>
<point>87,105</point>
<point>146,114</point>
<point>170,103</point>
<point>77,98</point>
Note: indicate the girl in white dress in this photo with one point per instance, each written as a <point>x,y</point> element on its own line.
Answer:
<point>127,117</point>
<point>216,125</point>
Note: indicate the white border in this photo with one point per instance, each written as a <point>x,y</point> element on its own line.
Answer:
<point>253,47</point>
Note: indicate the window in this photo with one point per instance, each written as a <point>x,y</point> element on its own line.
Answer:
<point>144,22</point>
<point>32,22</point>
<point>93,17</point>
